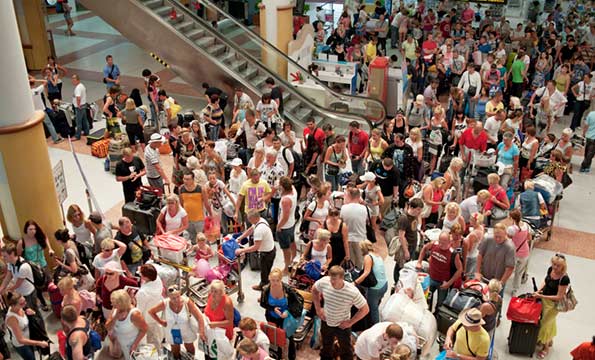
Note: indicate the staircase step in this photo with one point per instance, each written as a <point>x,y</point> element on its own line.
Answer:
<point>216,49</point>
<point>194,34</point>
<point>249,73</point>
<point>184,26</point>
<point>205,42</point>
<point>238,65</point>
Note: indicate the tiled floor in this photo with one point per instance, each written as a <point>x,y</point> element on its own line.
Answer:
<point>84,54</point>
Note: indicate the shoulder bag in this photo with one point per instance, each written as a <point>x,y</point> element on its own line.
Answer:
<point>333,170</point>
<point>471,90</point>
<point>370,280</point>
<point>568,301</point>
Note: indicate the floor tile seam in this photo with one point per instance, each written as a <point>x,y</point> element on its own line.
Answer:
<point>56,24</point>
<point>90,50</point>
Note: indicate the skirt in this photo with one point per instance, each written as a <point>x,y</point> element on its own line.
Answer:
<point>548,329</point>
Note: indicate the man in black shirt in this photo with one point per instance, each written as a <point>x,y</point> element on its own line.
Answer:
<point>388,178</point>
<point>210,90</point>
<point>567,51</point>
<point>407,235</point>
<point>135,241</point>
<point>129,172</point>
<point>276,93</point>
<point>403,159</point>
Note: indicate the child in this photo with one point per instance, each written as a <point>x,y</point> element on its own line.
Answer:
<point>203,251</point>
<point>372,196</point>
<point>250,331</point>
<point>401,352</point>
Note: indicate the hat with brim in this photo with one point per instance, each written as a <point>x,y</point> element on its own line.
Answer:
<point>471,317</point>
<point>156,138</point>
<point>112,266</point>
<point>236,162</point>
<point>419,99</point>
<point>368,176</point>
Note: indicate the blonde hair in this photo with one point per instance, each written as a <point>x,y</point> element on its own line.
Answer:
<point>478,217</point>
<point>439,110</point>
<point>452,205</point>
<point>415,132</point>
<point>493,178</point>
<point>121,299</point>
<point>438,181</point>
<point>247,347</point>
<point>483,194</point>
<point>217,285</point>
<point>192,163</point>
<point>130,104</point>
<point>107,244</point>
<point>323,189</point>
<point>174,198</point>
<point>376,131</point>
<point>323,234</point>
<point>494,288</point>
<point>201,237</point>
<point>401,352</point>
<point>559,260</point>
<point>276,272</point>
<point>366,246</point>
<point>456,162</point>
<point>66,283</point>
<point>127,151</point>
<point>529,185</point>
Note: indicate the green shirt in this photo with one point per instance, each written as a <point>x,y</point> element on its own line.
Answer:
<point>518,66</point>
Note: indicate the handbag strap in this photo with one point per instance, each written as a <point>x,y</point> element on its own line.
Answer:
<point>467,341</point>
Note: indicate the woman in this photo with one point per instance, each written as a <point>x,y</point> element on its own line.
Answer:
<point>541,69</point>
<point>400,126</point>
<point>257,159</point>
<point>459,125</point>
<point>267,139</point>
<point>57,70</point>
<point>32,247</point>
<point>508,155</point>
<point>433,196</point>
<point>372,197</point>
<point>110,110</point>
<point>69,294</point>
<point>112,280</point>
<point>528,153</point>
<point>134,124</point>
<point>197,135</point>
<point>565,146</point>
<point>152,91</point>
<point>218,194</point>
<point>319,250</point>
<point>212,161</point>
<point>491,308</point>
<point>317,210</point>
<point>126,325</point>
<point>521,238</point>
<point>213,116</point>
<point>498,203</point>
<point>335,159</point>
<point>237,176</point>
<point>52,85</point>
<point>219,309</point>
<point>376,147</point>
<point>17,323</point>
<point>339,237</point>
<point>267,110</point>
<point>544,116</point>
<point>280,301</point>
<point>194,165</point>
<point>557,165</point>
<point>552,289</point>
<point>172,219</point>
<point>70,264</point>
<point>108,254</point>
<point>563,79</point>
<point>388,131</point>
<point>414,140</point>
<point>472,241</point>
<point>287,136</point>
<point>436,129</point>
<point>250,351</point>
<point>177,312</point>
<point>311,153</point>
<point>452,216</point>
<point>452,178</point>
<point>82,230</point>
<point>373,262</point>
<point>186,149</point>
<point>149,295</point>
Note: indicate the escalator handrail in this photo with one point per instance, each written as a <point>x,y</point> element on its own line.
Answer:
<point>256,37</point>
<point>338,116</point>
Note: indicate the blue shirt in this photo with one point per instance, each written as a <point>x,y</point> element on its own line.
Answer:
<point>590,121</point>
<point>507,157</point>
<point>112,74</point>
<point>280,303</point>
<point>379,272</point>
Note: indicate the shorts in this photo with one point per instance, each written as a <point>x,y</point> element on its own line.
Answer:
<point>286,237</point>
<point>67,15</point>
<point>135,133</point>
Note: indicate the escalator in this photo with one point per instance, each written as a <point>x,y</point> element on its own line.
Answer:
<point>199,52</point>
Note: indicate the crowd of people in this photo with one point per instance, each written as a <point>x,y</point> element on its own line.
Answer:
<point>468,155</point>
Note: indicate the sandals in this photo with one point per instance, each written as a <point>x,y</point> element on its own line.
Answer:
<point>542,354</point>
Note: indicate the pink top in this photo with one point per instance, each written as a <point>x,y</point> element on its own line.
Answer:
<point>520,239</point>
<point>262,355</point>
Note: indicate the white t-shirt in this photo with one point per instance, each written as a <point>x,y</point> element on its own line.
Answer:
<point>338,302</point>
<point>172,223</point>
<point>281,160</point>
<point>262,232</point>
<point>99,261</point>
<point>236,181</point>
<point>251,132</point>
<point>265,109</point>
<point>80,91</point>
<point>355,216</point>
<point>371,343</point>
<point>23,272</point>
<point>36,94</point>
<point>492,126</point>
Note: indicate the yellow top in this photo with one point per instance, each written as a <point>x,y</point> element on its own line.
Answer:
<point>479,341</point>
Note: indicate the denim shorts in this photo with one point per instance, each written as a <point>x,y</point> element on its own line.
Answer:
<point>286,237</point>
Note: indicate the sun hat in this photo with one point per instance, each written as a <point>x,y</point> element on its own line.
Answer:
<point>471,317</point>
<point>112,266</point>
<point>236,162</point>
<point>368,176</point>
<point>156,137</point>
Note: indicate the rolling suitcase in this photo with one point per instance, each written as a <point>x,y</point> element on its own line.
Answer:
<point>522,338</point>
<point>445,317</point>
<point>149,129</point>
<point>55,299</point>
<point>144,220</point>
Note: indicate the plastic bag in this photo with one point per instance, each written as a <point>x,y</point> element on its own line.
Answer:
<point>229,248</point>
<point>291,324</point>
<point>212,228</point>
<point>217,345</point>
<point>170,242</point>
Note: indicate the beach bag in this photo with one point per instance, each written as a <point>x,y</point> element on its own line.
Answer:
<point>524,309</point>
<point>568,302</point>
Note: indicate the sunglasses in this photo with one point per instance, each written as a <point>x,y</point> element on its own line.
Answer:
<point>110,273</point>
<point>561,256</point>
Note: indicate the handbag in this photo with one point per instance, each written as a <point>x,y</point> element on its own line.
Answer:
<point>348,267</point>
<point>369,281</point>
<point>333,170</point>
<point>427,210</point>
<point>568,301</point>
<point>499,213</point>
<point>305,225</point>
<point>370,233</point>
<point>524,309</point>
<point>471,90</point>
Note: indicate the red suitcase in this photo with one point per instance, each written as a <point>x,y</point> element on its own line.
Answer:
<point>55,299</point>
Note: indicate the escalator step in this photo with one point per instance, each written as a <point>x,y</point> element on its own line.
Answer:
<point>163,10</point>
<point>184,26</point>
<point>238,65</point>
<point>291,105</point>
<point>195,34</point>
<point>248,73</point>
<point>216,49</point>
<point>303,114</point>
<point>229,58</point>
<point>259,81</point>
<point>205,42</point>
<point>286,96</point>
<point>153,4</point>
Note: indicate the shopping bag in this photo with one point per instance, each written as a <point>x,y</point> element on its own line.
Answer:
<point>212,228</point>
<point>524,309</point>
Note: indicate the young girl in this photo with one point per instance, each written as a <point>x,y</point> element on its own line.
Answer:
<point>459,125</point>
<point>453,216</point>
<point>373,196</point>
<point>319,249</point>
<point>401,352</point>
<point>491,308</point>
<point>519,233</point>
<point>203,250</point>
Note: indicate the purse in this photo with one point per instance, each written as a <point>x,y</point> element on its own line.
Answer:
<point>471,90</point>
<point>333,170</point>
<point>369,281</point>
<point>568,301</point>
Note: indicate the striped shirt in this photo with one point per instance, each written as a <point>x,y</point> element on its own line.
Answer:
<point>338,303</point>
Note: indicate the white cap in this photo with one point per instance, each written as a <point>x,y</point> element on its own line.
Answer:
<point>368,176</point>
<point>236,162</point>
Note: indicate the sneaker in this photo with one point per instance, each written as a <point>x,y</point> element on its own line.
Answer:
<point>587,170</point>
<point>59,140</point>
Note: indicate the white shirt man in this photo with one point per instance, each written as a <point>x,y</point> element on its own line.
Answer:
<point>355,216</point>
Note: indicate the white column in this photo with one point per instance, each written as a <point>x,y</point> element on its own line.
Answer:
<point>271,18</point>
<point>16,107</point>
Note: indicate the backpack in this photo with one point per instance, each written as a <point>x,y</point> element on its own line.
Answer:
<point>298,163</point>
<point>93,338</point>
<point>40,280</point>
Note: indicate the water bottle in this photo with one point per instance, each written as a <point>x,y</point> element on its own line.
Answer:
<point>106,164</point>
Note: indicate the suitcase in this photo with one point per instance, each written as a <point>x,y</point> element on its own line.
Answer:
<point>55,299</point>
<point>100,148</point>
<point>144,220</point>
<point>148,130</point>
<point>522,338</point>
<point>95,136</point>
<point>254,260</point>
<point>445,317</point>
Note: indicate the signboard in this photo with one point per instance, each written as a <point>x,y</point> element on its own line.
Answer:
<point>60,182</point>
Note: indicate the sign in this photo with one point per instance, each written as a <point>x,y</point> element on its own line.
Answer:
<point>60,182</point>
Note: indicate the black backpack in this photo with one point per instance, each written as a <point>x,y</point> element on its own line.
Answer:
<point>298,163</point>
<point>40,280</point>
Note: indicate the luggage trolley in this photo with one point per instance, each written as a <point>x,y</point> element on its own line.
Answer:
<point>477,162</point>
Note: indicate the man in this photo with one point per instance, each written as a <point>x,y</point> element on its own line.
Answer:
<point>193,201</point>
<point>155,173</point>
<point>241,100</point>
<point>472,340</point>
<point>496,256</point>
<point>474,204</point>
<point>79,101</point>
<point>264,244</point>
<point>37,95</point>
<point>467,15</point>
<point>494,104</point>
<point>286,224</point>
<point>429,47</point>
<point>285,158</point>
<point>170,106</point>
<point>430,94</point>
<point>111,73</point>
<point>492,127</point>
<point>257,193</point>
<point>312,130</point>
<point>378,339</point>
<point>474,138</point>
<point>357,144</point>
<point>458,66</point>
<point>355,216</point>
<point>328,138</point>
<point>518,74</point>
<point>339,296</point>
<point>589,135</point>
<point>253,129</point>
<point>212,90</point>
<point>19,276</point>
<point>407,225</point>
<point>129,171</point>
<point>408,48</point>
<point>127,234</point>
<point>388,177</point>
<point>566,52</point>
<point>76,328</point>
<point>470,82</point>
<point>583,93</point>
<point>486,66</point>
<point>276,93</point>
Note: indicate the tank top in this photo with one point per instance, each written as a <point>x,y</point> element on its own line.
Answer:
<point>186,150</point>
<point>177,320</point>
<point>561,83</point>
<point>379,271</point>
<point>526,148</point>
<point>112,108</point>
<point>87,349</point>
<point>34,254</point>
<point>125,329</point>
<point>376,151</point>
<point>23,324</point>
<point>459,128</point>
<point>440,260</point>
<point>337,246</point>
<point>474,251</point>
<point>218,314</point>
<point>448,224</point>
<point>563,148</point>
<point>291,218</point>
<point>131,118</point>
<point>55,71</point>
<point>277,303</point>
<point>437,196</point>
<point>371,195</point>
<point>319,255</point>
<point>399,129</point>
<point>83,235</point>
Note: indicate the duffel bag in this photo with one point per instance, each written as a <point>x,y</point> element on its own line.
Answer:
<point>524,309</point>
<point>458,300</point>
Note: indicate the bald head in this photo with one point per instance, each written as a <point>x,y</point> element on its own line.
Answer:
<point>478,127</point>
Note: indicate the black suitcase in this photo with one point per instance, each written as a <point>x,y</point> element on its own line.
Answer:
<point>522,338</point>
<point>445,317</point>
<point>144,220</point>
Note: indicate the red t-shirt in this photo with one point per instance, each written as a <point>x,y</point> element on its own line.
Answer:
<point>500,194</point>
<point>479,143</point>
<point>105,294</point>
<point>358,143</point>
<point>319,135</point>
<point>467,16</point>
<point>440,260</point>
<point>585,351</point>
<point>445,29</point>
<point>429,47</point>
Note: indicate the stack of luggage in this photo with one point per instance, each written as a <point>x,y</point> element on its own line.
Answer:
<point>525,313</point>
<point>115,151</point>
<point>143,212</point>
